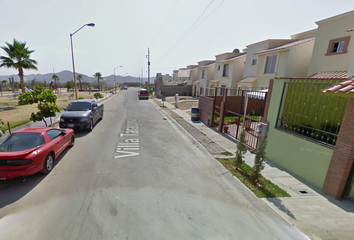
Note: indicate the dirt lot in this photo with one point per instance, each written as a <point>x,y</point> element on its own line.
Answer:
<point>185,103</point>
<point>13,113</point>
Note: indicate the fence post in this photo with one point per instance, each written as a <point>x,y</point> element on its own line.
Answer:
<point>222,110</point>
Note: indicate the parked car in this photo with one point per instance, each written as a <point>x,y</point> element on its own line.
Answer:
<point>81,114</point>
<point>31,150</point>
<point>143,93</point>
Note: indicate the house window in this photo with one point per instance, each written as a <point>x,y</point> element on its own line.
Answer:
<point>203,73</point>
<point>270,64</point>
<point>254,62</point>
<point>338,46</point>
<point>219,68</point>
<point>225,70</point>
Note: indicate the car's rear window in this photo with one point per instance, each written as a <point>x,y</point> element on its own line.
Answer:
<point>143,91</point>
<point>79,106</point>
<point>21,141</point>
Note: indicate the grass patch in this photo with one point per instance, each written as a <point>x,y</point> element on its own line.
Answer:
<point>264,189</point>
<point>13,125</point>
<point>226,153</point>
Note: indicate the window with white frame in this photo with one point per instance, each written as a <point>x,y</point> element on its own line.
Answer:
<point>225,70</point>
<point>203,73</point>
<point>338,46</point>
<point>270,64</point>
<point>254,62</point>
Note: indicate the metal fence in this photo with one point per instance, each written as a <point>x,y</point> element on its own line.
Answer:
<point>243,109</point>
<point>306,112</point>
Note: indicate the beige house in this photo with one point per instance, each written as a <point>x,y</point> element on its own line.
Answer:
<point>175,77</point>
<point>249,74</point>
<point>205,74</point>
<point>183,75</point>
<point>228,70</point>
<point>333,50</point>
<point>291,59</point>
<point>193,74</point>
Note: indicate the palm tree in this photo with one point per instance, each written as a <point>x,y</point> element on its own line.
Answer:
<point>98,75</point>
<point>79,78</point>
<point>55,78</point>
<point>18,58</point>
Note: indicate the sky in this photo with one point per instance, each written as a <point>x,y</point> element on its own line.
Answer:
<point>177,32</point>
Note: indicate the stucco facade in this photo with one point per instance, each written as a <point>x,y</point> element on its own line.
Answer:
<point>228,69</point>
<point>292,60</point>
<point>205,74</point>
<point>323,57</point>
<point>308,160</point>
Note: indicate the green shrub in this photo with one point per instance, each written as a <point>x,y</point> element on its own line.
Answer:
<point>97,95</point>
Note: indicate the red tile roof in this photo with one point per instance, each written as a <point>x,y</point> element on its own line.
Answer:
<point>287,46</point>
<point>330,75</point>
<point>247,80</point>
<point>345,87</point>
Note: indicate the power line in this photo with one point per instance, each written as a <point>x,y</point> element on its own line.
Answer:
<point>191,27</point>
<point>206,17</point>
<point>165,22</point>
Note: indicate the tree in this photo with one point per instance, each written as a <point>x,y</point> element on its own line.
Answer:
<point>79,78</point>
<point>46,100</point>
<point>1,132</point>
<point>55,78</point>
<point>12,83</point>
<point>241,150</point>
<point>69,85</point>
<point>98,75</point>
<point>259,159</point>
<point>18,58</point>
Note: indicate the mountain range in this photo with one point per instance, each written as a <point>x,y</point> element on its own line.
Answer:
<point>65,76</point>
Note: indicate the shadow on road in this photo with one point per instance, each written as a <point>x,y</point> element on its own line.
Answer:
<point>14,189</point>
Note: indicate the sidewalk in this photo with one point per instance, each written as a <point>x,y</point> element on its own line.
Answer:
<point>309,209</point>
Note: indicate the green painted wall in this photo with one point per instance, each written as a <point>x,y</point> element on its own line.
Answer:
<point>301,157</point>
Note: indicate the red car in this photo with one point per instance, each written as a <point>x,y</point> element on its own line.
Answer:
<point>32,150</point>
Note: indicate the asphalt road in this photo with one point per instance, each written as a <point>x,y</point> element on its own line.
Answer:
<point>135,176</point>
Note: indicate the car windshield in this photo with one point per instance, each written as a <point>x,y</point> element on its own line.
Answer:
<point>79,106</point>
<point>21,141</point>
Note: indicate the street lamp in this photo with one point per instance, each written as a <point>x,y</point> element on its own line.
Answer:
<point>72,53</point>
<point>124,77</point>
<point>115,84</point>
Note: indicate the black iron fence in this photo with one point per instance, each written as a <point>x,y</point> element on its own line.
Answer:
<point>306,112</point>
<point>243,109</point>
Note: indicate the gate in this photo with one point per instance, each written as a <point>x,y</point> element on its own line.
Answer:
<point>236,110</point>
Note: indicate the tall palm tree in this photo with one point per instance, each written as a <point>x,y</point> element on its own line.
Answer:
<point>98,75</point>
<point>79,78</point>
<point>55,78</point>
<point>18,58</point>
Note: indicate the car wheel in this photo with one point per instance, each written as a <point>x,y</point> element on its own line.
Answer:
<point>101,115</point>
<point>72,141</point>
<point>91,125</point>
<point>48,163</point>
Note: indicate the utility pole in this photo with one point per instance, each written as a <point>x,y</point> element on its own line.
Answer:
<point>148,70</point>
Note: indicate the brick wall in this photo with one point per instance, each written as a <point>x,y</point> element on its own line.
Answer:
<point>205,109</point>
<point>343,155</point>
